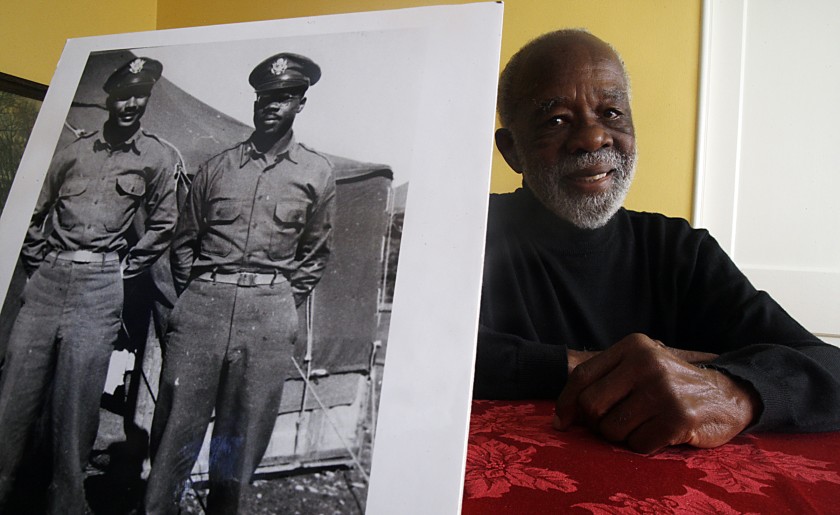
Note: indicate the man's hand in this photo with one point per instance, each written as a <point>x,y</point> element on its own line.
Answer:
<point>643,393</point>
<point>576,357</point>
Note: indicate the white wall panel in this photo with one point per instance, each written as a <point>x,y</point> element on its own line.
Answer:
<point>768,175</point>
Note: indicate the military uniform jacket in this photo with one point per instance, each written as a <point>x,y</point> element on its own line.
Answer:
<point>94,190</point>
<point>253,212</point>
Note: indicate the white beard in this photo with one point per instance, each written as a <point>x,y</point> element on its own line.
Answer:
<point>586,211</point>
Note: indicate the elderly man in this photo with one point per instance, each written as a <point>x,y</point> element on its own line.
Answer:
<point>252,241</point>
<point>62,339</point>
<point>642,325</point>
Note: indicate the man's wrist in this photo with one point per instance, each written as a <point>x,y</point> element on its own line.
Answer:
<point>747,401</point>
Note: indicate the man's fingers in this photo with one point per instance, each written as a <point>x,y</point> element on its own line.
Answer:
<point>605,393</point>
<point>564,410</point>
<point>650,396</point>
<point>655,434</point>
<point>625,417</point>
<point>584,375</point>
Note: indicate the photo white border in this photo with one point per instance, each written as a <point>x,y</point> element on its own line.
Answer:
<point>418,460</point>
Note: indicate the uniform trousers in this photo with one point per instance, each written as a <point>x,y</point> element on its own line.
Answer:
<point>228,348</point>
<point>59,347</point>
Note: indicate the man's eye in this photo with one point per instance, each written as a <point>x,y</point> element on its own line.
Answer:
<point>556,121</point>
<point>612,113</point>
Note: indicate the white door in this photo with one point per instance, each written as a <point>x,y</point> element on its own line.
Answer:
<point>768,163</point>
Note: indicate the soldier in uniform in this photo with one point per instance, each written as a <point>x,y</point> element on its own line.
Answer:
<point>62,339</point>
<point>252,241</point>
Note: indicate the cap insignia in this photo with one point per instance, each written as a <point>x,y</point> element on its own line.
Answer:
<point>136,66</point>
<point>279,66</point>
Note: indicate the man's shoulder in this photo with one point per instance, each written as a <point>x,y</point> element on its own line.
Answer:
<point>154,143</point>
<point>314,157</point>
<point>505,206</point>
<point>656,229</point>
<point>82,138</point>
<point>145,134</point>
<point>658,222</point>
<point>234,151</point>
<point>498,200</point>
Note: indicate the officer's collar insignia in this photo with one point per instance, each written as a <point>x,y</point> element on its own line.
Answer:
<point>136,65</point>
<point>279,66</point>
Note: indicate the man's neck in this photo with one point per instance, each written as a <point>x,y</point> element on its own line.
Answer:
<point>270,143</point>
<point>115,135</point>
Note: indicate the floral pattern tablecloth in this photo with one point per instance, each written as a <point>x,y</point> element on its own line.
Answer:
<point>518,464</point>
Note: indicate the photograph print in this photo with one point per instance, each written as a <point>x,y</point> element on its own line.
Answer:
<point>214,247</point>
<point>242,267</point>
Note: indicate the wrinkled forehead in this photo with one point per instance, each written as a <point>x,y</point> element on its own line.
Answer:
<point>573,65</point>
<point>587,64</point>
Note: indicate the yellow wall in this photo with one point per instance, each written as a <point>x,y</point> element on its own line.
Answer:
<point>659,40</point>
<point>33,32</point>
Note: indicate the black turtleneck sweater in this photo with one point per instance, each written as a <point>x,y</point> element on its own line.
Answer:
<point>549,287</point>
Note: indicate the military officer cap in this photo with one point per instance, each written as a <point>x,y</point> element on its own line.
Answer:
<point>139,75</point>
<point>283,71</point>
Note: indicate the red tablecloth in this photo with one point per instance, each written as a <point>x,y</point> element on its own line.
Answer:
<point>518,464</point>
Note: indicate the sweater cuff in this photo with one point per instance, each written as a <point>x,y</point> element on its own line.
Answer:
<point>775,399</point>
<point>542,370</point>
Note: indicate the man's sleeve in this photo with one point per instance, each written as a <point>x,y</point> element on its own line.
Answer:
<point>510,367</point>
<point>35,246</point>
<point>315,243</point>
<point>185,244</point>
<point>796,375</point>
<point>512,360</point>
<point>162,214</point>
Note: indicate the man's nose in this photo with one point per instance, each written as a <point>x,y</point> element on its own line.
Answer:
<point>131,102</point>
<point>588,137</point>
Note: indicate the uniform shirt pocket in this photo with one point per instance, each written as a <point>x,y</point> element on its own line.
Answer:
<point>221,216</point>
<point>131,185</point>
<point>67,193</point>
<point>130,191</point>
<point>289,220</point>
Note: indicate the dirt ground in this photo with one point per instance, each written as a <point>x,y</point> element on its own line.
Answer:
<point>114,485</point>
<point>118,490</point>
<point>326,492</point>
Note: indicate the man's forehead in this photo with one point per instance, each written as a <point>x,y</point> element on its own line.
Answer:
<point>558,67</point>
<point>564,81</point>
<point>577,66</point>
<point>574,66</point>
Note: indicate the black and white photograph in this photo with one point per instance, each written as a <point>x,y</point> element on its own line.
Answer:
<point>211,249</point>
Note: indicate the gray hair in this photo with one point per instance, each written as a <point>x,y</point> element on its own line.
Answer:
<point>508,84</point>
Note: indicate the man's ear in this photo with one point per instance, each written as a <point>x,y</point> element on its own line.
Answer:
<point>301,104</point>
<point>504,142</point>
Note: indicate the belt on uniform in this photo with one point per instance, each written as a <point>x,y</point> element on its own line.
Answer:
<point>84,256</point>
<point>243,278</point>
